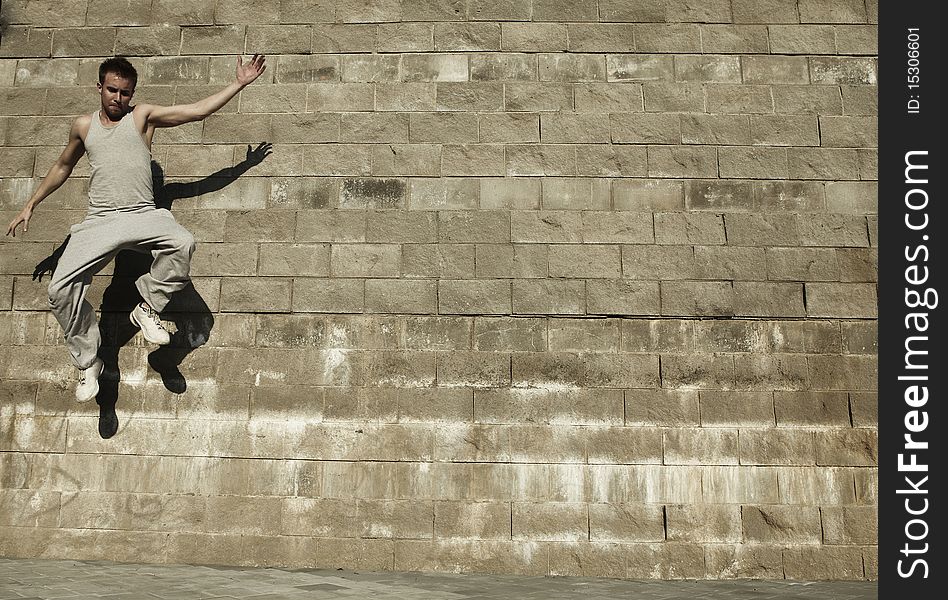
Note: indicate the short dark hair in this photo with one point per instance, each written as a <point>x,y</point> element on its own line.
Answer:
<point>120,66</point>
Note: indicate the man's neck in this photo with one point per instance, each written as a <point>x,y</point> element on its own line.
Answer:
<point>107,120</point>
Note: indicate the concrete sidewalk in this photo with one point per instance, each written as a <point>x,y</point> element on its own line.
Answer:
<point>33,579</point>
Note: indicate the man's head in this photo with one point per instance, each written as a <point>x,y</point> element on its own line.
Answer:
<point>117,79</point>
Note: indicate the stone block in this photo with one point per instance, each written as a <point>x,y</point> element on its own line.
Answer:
<point>849,132</point>
<point>744,561</point>
<point>725,98</point>
<point>624,445</point>
<point>715,129</point>
<point>604,160</point>
<point>548,296</point>
<point>472,520</point>
<point>365,260</point>
<point>533,37</point>
<point>328,295</point>
<point>350,553</point>
<point>812,409</point>
<point>474,226</point>
<point>719,195</point>
<point>696,298</point>
<point>700,446</point>
<point>489,556</point>
<point>820,163</point>
<point>549,521</point>
<point>639,67</point>
<point>438,260</point>
<point>468,96</point>
<point>846,11</point>
<point>254,226</point>
<point>545,227</point>
<point>682,161</point>
<point>843,70</point>
<point>516,334</point>
<point>777,524</point>
<point>753,162</point>
<point>433,67</point>
<point>591,335</point>
<point>474,297</point>
<point>777,447</point>
<point>626,522</point>
<point>505,67</point>
<point>255,294</point>
<point>647,195</point>
<point>726,262</point>
<point>846,300</point>
<point>567,407</point>
<point>714,523</point>
<point>814,563</point>
<point>847,525</point>
<point>466,37</point>
<point>864,407</point>
<point>622,297</point>
<point>559,10</point>
<point>574,369</point>
<point>443,193</point>
<point>400,296</point>
<point>393,226</point>
<point>474,369</point>
<point>643,128</point>
<point>665,561</point>
<point>735,39</point>
<point>505,193</point>
<point>674,97</point>
<point>848,447</point>
<point>860,100</point>
<point>802,39</point>
<point>857,198</point>
<point>331,226</point>
<point>856,373</point>
<point>225,259</point>
<point>663,408</point>
<point>21,41</point>
<point>608,97</point>
<point>539,160</point>
<point>509,127</point>
<point>707,68</point>
<point>829,486</point>
<point>377,193</point>
<point>689,228</point>
<point>580,261</point>
<point>736,409</point>
<point>739,485</point>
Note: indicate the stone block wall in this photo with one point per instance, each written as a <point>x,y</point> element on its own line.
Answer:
<point>525,286</point>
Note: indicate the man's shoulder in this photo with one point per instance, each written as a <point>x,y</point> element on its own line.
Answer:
<point>81,124</point>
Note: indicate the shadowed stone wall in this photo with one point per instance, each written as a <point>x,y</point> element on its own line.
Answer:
<point>549,287</point>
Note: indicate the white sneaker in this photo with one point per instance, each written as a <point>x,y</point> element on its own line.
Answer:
<point>88,387</point>
<point>145,318</point>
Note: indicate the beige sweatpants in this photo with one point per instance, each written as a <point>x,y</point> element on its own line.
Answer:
<point>93,243</point>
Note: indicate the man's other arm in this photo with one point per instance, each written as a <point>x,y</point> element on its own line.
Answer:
<point>172,116</point>
<point>56,176</point>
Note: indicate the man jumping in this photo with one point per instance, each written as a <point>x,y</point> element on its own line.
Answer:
<point>122,212</point>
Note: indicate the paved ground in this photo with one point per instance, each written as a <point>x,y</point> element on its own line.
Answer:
<point>34,579</point>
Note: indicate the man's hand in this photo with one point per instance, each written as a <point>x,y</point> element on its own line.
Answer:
<point>246,74</point>
<point>23,217</point>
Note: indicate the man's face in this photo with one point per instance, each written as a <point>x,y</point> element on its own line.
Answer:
<point>116,93</point>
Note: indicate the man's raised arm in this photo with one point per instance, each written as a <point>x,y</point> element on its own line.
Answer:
<point>171,116</point>
<point>56,176</point>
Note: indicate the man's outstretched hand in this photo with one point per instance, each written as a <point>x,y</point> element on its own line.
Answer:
<point>247,73</point>
<point>24,218</point>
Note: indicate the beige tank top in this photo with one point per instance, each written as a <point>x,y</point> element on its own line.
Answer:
<point>121,166</point>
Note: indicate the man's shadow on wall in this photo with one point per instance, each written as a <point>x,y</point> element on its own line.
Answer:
<point>187,310</point>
